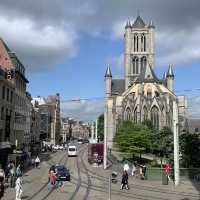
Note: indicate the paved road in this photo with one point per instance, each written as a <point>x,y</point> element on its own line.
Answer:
<point>91,183</point>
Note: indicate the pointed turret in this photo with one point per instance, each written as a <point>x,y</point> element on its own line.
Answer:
<point>170,78</point>
<point>164,76</point>
<point>170,72</point>
<point>128,24</point>
<point>108,72</point>
<point>108,82</point>
<point>151,24</point>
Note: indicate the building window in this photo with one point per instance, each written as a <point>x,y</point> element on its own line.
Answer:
<point>135,115</point>
<point>134,42</point>
<point>155,117</point>
<point>135,65</point>
<point>145,114</point>
<point>8,92</point>
<point>128,114</point>
<point>11,96</point>
<point>3,92</point>
<point>143,42</point>
<point>2,113</point>
<point>143,62</point>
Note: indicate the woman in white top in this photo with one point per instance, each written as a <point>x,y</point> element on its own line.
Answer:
<point>37,161</point>
<point>18,188</point>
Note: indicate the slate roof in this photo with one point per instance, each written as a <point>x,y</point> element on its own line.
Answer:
<point>147,75</point>
<point>118,86</point>
<point>139,23</point>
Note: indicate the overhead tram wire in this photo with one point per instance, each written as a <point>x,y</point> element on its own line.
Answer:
<point>99,98</point>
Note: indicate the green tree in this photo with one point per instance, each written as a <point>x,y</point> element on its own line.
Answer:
<point>100,127</point>
<point>133,138</point>
<point>190,149</point>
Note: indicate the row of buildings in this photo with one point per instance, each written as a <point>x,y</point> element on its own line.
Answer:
<point>74,129</point>
<point>24,121</point>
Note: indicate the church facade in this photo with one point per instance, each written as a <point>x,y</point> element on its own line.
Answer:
<point>141,95</point>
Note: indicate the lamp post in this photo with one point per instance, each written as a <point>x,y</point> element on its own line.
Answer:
<point>176,143</point>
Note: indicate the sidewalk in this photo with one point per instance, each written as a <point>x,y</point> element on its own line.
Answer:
<point>33,179</point>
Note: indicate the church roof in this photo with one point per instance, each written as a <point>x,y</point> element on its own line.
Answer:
<point>118,86</point>
<point>139,23</point>
<point>147,75</point>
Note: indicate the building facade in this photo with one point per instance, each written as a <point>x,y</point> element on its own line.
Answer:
<point>50,122</point>
<point>15,71</point>
<point>141,95</point>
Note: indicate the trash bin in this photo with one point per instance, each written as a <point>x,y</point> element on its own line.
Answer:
<point>164,179</point>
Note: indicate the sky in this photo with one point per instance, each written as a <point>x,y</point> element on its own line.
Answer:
<point>66,45</point>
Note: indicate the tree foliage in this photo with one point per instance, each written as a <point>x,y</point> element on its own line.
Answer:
<point>133,138</point>
<point>100,127</point>
<point>190,149</point>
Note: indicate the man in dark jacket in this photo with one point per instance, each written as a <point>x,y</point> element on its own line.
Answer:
<point>124,182</point>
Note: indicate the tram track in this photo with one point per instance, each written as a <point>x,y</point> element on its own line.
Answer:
<point>41,189</point>
<point>160,191</point>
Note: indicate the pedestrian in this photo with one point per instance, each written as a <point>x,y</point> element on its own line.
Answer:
<point>144,170</point>
<point>133,170</point>
<point>2,179</point>
<point>7,172</point>
<point>18,171</point>
<point>1,187</point>
<point>33,162</point>
<point>18,188</point>
<point>124,182</point>
<point>12,174</point>
<point>126,167</point>
<point>141,173</point>
<point>37,161</point>
<point>52,178</point>
<point>2,173</point>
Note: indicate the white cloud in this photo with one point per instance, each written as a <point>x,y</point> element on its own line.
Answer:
<point>117,30</point>
<point>178,47</point>
<point>84,110</point>
<point>194,108</point>
<point>48,43</point>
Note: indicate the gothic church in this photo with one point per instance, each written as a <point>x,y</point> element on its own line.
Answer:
<point>141,95</point>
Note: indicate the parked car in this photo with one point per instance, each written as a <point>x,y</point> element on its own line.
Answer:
<point>63,172</point>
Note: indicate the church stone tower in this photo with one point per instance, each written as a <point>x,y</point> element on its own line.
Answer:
<point>139,49</point>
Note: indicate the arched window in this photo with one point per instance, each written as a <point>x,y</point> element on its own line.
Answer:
<point>142,45</point>
<point>137,43</point>
<point>135,65</point>
<point>135,115</point>
<point>145,114</point>
<point>134,42</point>
<point>155,117</point>
<point>128,114</point>
<point>144,42</point>
<point>143,62</point>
